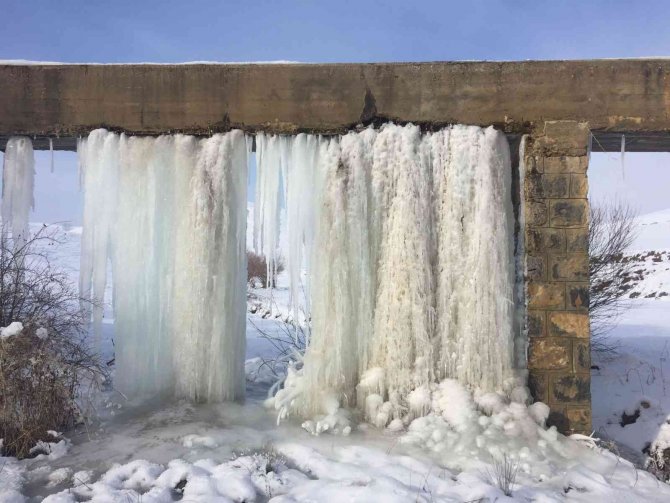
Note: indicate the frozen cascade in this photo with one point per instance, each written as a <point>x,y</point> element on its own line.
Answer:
<point>409,265</point>
<point>170,215</point>
<point>18,179</point>
<point>404,315</point>
<point>474,224</point>
<point>271,161</point>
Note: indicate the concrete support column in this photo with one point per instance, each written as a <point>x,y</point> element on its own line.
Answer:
<point>557,272</point>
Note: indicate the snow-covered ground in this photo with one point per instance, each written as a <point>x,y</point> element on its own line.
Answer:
<point>152,451</point>
<point>631,391</point>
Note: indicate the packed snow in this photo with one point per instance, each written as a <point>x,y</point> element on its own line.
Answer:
<point>14,328</point>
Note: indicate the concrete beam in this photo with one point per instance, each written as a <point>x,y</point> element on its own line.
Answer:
<point>631,96</point>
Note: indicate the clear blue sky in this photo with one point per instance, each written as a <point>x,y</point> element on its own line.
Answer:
<point>114,31</point>
<point>330,31</point>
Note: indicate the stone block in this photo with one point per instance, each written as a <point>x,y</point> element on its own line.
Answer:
<point>568,213</point>
<point>579,418</point>
<point>538,385</point>
<point>545,239</point>
<point>553,186</point>
<point>536,323</point>
<point>558,417</point>
<point>563,137</point>
<point>577,240</point>
<point>579,185</point>
<point>570,388</point>
<point>546,295</point>
<point>568,324</point>
<point>565,164</point>
<point>536,213</point>
<point>573,267</point>
<point>549,354</point>
<point>536,269</point>
<point>533,164</point>
<point>577,296</point>
<point>581,356</point>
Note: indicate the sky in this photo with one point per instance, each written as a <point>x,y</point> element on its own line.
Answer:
<point>123,31</point>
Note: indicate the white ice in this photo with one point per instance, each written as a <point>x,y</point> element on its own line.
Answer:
<point>406,243</point>
<point>18,180</point>
<point>169,213</point>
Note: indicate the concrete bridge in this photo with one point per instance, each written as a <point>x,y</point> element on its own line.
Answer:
<point>563,106</point>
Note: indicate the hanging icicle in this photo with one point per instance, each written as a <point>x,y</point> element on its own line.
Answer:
<point>18,180</point>
<point>623,156</point>
<point>170,215</point>
<point>51,152</point>
<point>269,166</point>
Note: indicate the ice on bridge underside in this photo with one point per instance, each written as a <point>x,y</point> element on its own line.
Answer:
<point>405,245</point>
<point>18,179</point>
<point>399,249</point>
<point>170,215</point>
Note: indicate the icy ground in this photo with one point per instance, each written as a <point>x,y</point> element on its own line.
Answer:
<point>152,451</point>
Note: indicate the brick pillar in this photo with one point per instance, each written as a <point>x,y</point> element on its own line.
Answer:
<point>557,278</point>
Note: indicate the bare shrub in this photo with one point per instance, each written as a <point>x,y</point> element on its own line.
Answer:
<point>257,269</point>
<point>612,229</point>
<point>289,340</point>
<point>504,474</point>
<point>45,367</point>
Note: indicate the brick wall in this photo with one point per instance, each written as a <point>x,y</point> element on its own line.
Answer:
<point>557,278</point>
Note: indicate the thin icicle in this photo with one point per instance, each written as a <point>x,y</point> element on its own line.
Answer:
<point>51,151</point>
<point>269,164</point>
<point>18,180</point>
<point>623,156</point>
<point>301,197</point>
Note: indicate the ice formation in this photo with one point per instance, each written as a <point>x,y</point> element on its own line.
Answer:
<point>399,247</point>
<point>404,243</point>
<point>169,213</point>
<point>18,179</point>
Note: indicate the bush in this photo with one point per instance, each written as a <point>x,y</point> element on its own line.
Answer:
<point>612,229</point>
<point>257,270</point>
<point>45,363</point>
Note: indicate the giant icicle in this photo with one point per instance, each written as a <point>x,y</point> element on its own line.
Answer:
<point>475,258</point>
<point>170,214</point>
<point>406,240</point>
<point>18,179</point>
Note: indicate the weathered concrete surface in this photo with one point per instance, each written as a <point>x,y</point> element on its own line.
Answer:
<point>631,96</point>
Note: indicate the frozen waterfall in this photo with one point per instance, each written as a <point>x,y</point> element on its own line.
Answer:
<point>403,241</point>
<point>169,213</point>
<point>399,249</point>
<point>18,179</point>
